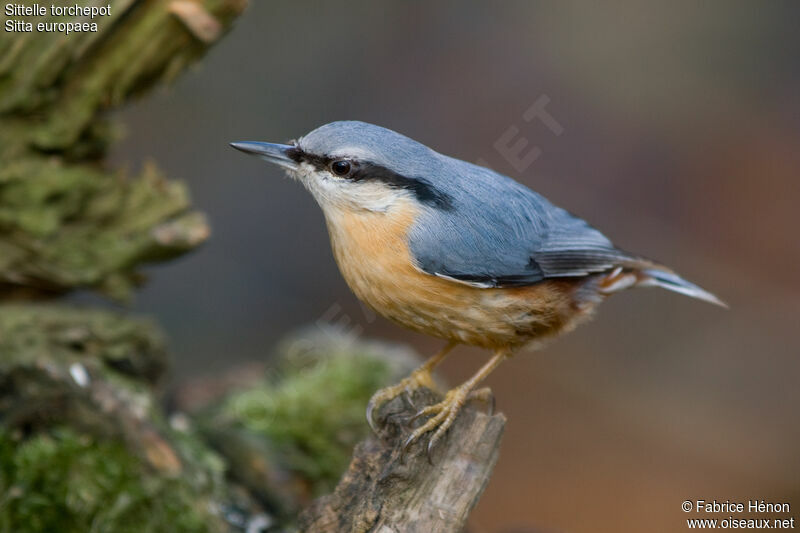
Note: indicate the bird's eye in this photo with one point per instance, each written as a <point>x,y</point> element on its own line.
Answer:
<point>341,167</point>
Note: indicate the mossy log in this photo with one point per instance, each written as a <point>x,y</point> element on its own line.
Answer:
<point>83,439</point>
<point>67,221</point>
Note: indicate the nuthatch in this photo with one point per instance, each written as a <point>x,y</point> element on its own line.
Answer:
<point>455,250</point>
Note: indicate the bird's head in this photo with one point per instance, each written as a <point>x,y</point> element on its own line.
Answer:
<point>353,165</point>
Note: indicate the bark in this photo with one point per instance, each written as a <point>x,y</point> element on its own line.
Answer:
<point>384,491</point>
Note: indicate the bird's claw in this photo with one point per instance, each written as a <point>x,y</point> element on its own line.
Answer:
<point>417,379</point>
<point>378,400</point>
<point>425,411</point>
<point>370,418</point>
<point>442,415</point>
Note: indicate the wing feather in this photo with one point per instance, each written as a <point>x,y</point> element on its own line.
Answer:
<point>499,233</point>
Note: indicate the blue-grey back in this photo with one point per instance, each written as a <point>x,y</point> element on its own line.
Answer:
<point>492,230</point>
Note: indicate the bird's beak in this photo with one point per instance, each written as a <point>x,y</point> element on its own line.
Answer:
<point>274,153</point>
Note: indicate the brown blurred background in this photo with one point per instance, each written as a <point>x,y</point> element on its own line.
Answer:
<point>681,137</point>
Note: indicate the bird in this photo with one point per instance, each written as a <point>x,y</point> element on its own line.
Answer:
<point>456,251</point>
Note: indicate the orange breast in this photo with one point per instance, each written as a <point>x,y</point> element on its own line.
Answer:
<point>371,249</point>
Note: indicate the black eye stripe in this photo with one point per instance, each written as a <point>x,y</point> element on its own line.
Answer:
<point>299,156</point>
<point>424,191</point>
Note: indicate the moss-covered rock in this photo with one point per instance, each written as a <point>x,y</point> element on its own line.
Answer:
<point>64,481</point>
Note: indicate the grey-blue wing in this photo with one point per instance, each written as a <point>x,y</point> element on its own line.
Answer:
<point>500,233</point>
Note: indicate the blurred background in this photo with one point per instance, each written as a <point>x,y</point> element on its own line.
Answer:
<point>679,138</point>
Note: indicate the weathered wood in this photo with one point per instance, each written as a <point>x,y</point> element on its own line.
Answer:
<point>385,492</point>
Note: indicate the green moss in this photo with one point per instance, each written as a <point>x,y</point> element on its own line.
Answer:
<point>66,482</point>
<point>67,225</point>
<point>120,346</point>
<point>202,467</point>
<point>313,415</point>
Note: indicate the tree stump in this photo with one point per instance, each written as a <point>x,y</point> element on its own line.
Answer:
<point>384,491</point>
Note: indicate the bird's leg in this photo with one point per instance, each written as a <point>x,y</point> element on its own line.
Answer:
<point>420,377</point>
<point>444,413</point>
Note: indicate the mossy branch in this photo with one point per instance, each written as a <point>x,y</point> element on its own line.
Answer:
<point>67,221</point>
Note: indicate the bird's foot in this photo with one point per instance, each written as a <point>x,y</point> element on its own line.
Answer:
<point>419,378</point>
<point>443,414</point>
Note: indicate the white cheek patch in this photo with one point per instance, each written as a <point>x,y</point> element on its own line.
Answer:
<point>372,196</point>
<point>334,192</point>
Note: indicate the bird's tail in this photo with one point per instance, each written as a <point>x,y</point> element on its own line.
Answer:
<point>657,276</point>
<point>644,273</point>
